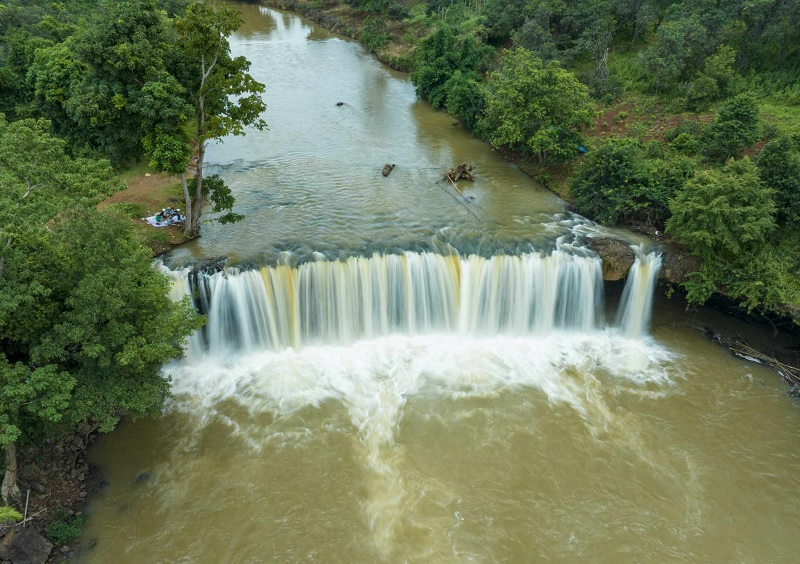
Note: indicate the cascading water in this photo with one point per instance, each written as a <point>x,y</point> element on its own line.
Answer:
<point>339,302</point>
<point>637,297</point>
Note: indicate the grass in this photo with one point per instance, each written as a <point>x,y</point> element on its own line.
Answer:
<point>785,117</point>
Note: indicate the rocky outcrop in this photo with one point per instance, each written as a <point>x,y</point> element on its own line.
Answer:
<point>25,546</point>
<point>617,257</point>
<point>678,264</point>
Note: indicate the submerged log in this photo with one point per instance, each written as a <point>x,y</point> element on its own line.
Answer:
<point>461,171</point>
<point>387,169</point>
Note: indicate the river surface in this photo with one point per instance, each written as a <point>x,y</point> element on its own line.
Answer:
<point>410,375</point>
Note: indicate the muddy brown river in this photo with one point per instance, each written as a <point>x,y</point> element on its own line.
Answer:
<point>393,372</point>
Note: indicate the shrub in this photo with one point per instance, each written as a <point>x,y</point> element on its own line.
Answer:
<point>686,144</point>
<point>374,35</point>
<point>9,514</point>
<point>735,127</point>
<point>618,182</point>
<point>779,167</point>
<point>65,527</point>
<point>723,213</point>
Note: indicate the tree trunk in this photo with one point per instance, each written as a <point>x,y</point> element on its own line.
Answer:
<point>187,198</point>
<point>197,209</point>
<point>10,492</point>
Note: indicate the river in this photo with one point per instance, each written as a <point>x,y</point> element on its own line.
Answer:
<point>394,372</point>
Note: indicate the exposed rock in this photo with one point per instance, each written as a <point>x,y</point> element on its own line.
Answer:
<point>678,264</point>
<point>340,104</point>
<point>142,478</point>
<point>38,488</point>
<point>25,546</point>
<point>617,257</point>
<point>387,169</point>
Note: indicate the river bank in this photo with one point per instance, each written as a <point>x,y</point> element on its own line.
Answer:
<point>56,482</point>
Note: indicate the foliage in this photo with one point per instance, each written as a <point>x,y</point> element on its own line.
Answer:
<point>65,527</point>
<point>536,106</point>
<point>120,72</point>
<point>723,213</point>
<point>465,97</point>
<point>620,182</point>
<point>735,127</point>
<point>374,35</point>
<point>222,199</point>
<point>672,57</point>
<point>85,322</point>
<point>446,73</point>
<point>779,167</point>
<point>226,98</point>
<point>686,143</point>
<point>9,514</point>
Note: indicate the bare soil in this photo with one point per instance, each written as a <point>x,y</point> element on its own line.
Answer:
<point>150,192</point>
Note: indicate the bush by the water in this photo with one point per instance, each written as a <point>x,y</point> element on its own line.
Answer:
<point>65,527</point>
<point>622,181</point>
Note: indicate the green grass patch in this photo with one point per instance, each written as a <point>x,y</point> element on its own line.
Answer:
<point>784,117</point>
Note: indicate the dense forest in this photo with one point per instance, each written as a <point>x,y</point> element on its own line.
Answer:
<point>676,117</point>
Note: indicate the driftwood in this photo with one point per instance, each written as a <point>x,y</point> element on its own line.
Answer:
<point>740,348</point>
<point>387,169</point>
<point>461,171</point>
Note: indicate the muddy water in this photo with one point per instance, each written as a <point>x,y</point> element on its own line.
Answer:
<point>578,444</point>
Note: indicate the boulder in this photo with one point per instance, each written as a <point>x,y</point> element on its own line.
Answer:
<point>617,257</point>
<point>25,546</point>
<point>678,264</point>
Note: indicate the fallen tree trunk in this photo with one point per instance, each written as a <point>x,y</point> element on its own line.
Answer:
<point>461,171</point>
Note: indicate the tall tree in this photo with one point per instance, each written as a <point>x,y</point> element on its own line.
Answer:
<point>226,98</point>
<point>536,106</point>
<point>723,214</point>
<point>113,81</point>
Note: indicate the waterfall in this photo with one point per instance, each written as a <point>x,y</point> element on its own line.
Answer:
<point>339,302</point>
<point>637,297</point>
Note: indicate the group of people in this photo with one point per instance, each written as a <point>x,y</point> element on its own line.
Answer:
<point>169,216</point>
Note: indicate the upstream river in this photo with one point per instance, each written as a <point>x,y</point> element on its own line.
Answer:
<point>396,372</point>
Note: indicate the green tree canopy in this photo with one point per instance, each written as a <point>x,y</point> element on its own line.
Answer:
<point>779,167</point>
<point>85,321</point>
<point>723,213</point>
<point>536,106</point>
<point>619,182</point>
<point>735,126</point>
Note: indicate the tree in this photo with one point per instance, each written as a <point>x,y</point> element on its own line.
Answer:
<point>723,214</point>
<point>618,182</point>
<point>735,126</point>
<point>672,56</point>
<point>779,167</point>
<point>447,66</point>
<point>226,100</point>
<point>537,106</point>
<point>113,81</point>
<point>85,322</point>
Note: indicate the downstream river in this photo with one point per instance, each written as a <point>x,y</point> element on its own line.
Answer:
<point>397,372</point>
